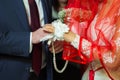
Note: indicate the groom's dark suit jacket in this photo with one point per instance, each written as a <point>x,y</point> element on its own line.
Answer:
<point>15,38</point>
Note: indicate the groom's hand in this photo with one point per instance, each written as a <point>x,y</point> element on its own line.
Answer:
<point>69,36</point>
<point>48,28</point>
<point>38,34</point>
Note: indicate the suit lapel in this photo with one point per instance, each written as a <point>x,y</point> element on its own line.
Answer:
<point>46,4</point>
<point>44,11</point>
<point>21,13</point>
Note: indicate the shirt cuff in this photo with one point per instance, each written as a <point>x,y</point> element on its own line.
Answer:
<point>30,49</point>
<point>75,42</point>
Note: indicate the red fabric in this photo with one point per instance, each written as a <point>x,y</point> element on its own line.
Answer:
<point>91,5</point>
<point>81,14</point>
<point>37,48</point>
<point>91,75</point>
<point>102,27</point>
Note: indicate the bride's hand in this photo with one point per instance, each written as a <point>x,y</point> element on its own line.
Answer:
<point>48,28</point>
<point>69,36</point>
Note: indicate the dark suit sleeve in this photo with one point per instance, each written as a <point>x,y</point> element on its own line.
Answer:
<point>15,43</point>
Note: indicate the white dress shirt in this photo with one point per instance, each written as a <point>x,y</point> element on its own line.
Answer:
<point>41,17</point>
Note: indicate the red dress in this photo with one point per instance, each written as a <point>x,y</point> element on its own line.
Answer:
<point>102,31</point>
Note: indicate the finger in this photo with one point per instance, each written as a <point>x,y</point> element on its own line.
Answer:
<point>48,29</point>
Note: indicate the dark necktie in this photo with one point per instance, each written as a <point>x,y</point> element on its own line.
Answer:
<point>37,48</point>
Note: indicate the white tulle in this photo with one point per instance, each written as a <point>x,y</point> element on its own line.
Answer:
<point>86,47</point>
<point>107,57</point>
<point>75,42</point>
